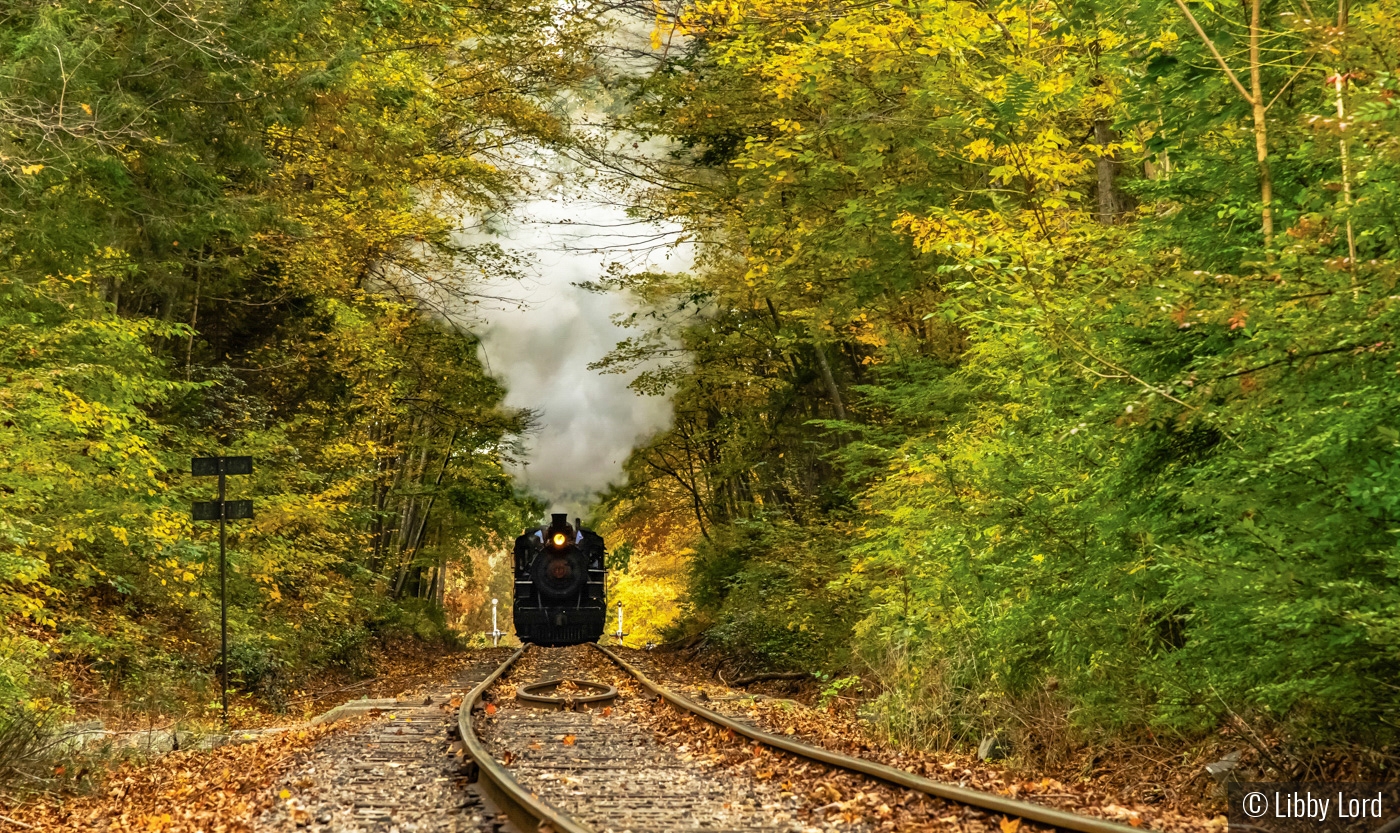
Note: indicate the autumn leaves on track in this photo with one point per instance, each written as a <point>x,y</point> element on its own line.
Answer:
<point>636,764</point>
<point>397,766</point>
<point>639,763</point>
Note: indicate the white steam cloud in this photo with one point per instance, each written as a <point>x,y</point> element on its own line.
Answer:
<point>588,421</point>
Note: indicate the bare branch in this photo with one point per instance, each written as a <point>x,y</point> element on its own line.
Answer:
<point>1210,44</point>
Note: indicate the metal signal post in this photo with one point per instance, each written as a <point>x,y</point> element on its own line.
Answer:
<point>496,632</point>
<point>619,633</point>
<point>222,511</point>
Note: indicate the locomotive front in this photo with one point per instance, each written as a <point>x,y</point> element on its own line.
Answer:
<point>559,578</point>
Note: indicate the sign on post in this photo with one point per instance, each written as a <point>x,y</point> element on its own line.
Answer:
<point>234,510</point>
<point>213,466</point>
<point>222,510</point>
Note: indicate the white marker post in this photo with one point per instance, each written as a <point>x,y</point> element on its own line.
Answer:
<point>496,632</point>
<point>619,633</point>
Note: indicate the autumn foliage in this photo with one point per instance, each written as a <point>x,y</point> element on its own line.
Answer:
<point>182,792</point>
<point>994,369</point>
<point>216,223</point>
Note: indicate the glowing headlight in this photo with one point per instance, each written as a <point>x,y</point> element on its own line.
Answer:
<point>559,539</point>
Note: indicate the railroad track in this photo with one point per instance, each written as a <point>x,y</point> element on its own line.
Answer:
<point>596,766</point>
<point>392,770</point>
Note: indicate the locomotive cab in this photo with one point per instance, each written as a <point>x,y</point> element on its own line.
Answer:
<point>559,584</point>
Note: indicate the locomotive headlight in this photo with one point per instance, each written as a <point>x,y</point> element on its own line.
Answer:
<point>559,539</point>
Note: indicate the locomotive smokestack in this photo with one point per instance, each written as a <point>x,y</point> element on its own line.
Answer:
<point>559,519</point>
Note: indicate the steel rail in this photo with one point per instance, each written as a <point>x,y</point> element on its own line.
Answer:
<point>899,777</point>
<point>525,809</point>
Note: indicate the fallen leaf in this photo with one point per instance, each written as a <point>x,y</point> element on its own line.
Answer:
<point>284,795</point>
<point>1010,825</point>
<point>569,740</point>
<point>490,709</point>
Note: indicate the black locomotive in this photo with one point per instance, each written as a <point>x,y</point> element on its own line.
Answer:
<point>559,578</point>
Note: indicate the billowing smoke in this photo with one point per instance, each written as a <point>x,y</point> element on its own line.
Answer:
<point>588,422</point>
<point>570,232</point>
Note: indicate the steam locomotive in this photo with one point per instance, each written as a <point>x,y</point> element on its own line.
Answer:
<point>559,578</point>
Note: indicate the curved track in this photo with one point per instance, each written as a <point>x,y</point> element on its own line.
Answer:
<point>527,810</point>
<point>532,812</point>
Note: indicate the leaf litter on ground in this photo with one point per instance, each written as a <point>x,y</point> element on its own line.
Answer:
<point>842,731</point>
<point>218,790</point>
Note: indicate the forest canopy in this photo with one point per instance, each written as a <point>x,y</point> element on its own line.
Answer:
<point>1034,353</point>
<point>1037,353</point>
<point>215,220</point>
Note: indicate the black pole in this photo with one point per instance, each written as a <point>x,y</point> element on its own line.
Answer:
<point>223,599</point>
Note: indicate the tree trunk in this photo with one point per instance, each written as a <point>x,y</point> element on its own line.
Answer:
<point>1261,133</point>
<point>413,473</point>
<point>1255,98</point>
<point>1110,203</point>
<point>830,382</point>
<point>194,320</point>
<point>442,583</point>
<point>1341,82</point>
<point>415,543</point>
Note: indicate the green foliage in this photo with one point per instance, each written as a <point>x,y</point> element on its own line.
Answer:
<point>988,287</point>
<point>765,584</point>
<point>835,687</point>
<point>217,221</point>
